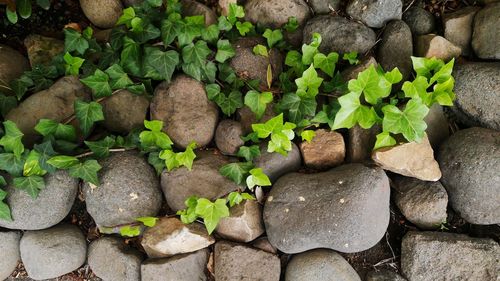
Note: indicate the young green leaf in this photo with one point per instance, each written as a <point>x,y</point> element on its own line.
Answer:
<point>74,41</point>
<point>237,172</point>
<point>409,122</point>
<point>260,50</point>
<point>118,78</point>
<point>32,165</point>
<point>12,140</point>
<point>352,57</point>
<point>130,231</point>
<point>257,102</point>
<point>384,139</point>
<point>46,151</point>
<point>73,64</point>
<point>224,51</point>
<point>155,137</point>
<point>189,215</point>
<point>307,135</point>
<point>99,83</point>
<point>272,36</point>
<point>170,159</point>
<point>373,85</point>
<point>32,185</point>
<point>4,208</point>
<point>326,63</point>
<point>187,157</point>
<point>248,152</point>
<point>87,114</point>
<point>308,85</point>
<point>310,50</point>
<point>352,112</point>
<point>244,27</point>
<point>148,221</point>
<point>291,25</point>
<point>235,198</point>
<point>235,11</point>
<point>212,212</point>
<point>257,178</point>
<point>86,171</point>
<point>127,15</point>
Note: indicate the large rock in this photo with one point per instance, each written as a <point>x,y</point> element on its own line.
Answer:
<point>50,207</point>
<point>120,116</point>
<point>228,136</point>
<point>274,165</point>
<point>198,118</point>
<point>102,13</point>
<point>246,117</point>
<point>326,150</point>
<point>437,125</point>
<point>447,256</point>
<point>171,237</point>
<point>204,180</point>
<point>458,27</point>
<point>432,45</point>
<point>129,189</point>
<point>244,224</point>
<point>485,37</point>
<point>53,252</point>
<point>419,20</point>
<point>383,275</point>
<point>275,13</point>
<point>187,267</point>
<point>239,262</point>
<point>396,48</point>
<point>375,13</point>
<point>320,265</point>
<point>9,247</point>
<point>352,71</point>
<point>194,8</point>
<point>12,65</point>
<point>110,259</point>
<point>340,34</point>
<point>470,161</point>
<point>477,94</point>
<point>324,6</point>
<point>41,49</point>
<point>345,209</point>
<point>361,143</point>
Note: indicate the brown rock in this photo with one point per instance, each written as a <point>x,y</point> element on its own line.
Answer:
<point>360,143</point>
<point>12,65</point>
<point>458,27</point>
<point>194,8</point>
<point>352,71</point>
<point>264,245</point>
<point>42,49</point>
<point>224,5</point>
<point>124,111</point>
<point>432,45</point>
<point>102,13</point>
<point>326,150</point>
<point>275,13</point>
<point>228,136</point>
<point>244,224</point>
<point>247,117</point>
<point>437,125</point>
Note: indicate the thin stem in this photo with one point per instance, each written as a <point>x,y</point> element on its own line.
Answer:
<point>88,153</point>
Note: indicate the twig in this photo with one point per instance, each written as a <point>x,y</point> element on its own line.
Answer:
<point>88,153</point>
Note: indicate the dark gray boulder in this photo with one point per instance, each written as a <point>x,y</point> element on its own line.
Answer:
<point>124,111</point>
<point>396,48</point>
<point>419,20</point>
<point>9,247</point>
<point>186,267</point>
<point>275,13</point>
<point>324,6</point>
<point>274,165</point>
<point>375,13</point>
<point>485,36</point>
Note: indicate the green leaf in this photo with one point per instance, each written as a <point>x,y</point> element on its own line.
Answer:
<point>196,53</point>
<point>32,185</point>
<point>159,65</point>
<point>47,127</point>
<point>223,24</point>
<point>11,16</point>
<point>170,159</point>
<point>148,221</point>
<point>169,31</point>
<point>307,135</point>
<point>4,208</point>
<point>229,103</point>
<point>352,57</point>
<point>86,171</point>
<point>235,198</point>
<point>257,102</point>
<point>443,93</point>
<point>235,11</point>
<point>260,50</point>
<point>291,25</point>
<point>155,3</point>
<point>189,214</point>
<point>118,78</point>
<point>409,122</point>
<point>99,83</point>
<point>224,51</point>
<point>272,36</point>
<point>20,86</point>
<point>101,148</point>
<point>155,161</point>
<point>297,108</point>
<point>373,85</point>
<point>244,27</point>
<point>187,157</point>
<point>426,66</point>
<point>281,134</point>
<point>352,112</point>
<point>444,73</point>
<point>257,178</point>
<point>417,88</point>
<point>211,33</point>
<point>131,56</point>
<point>127,15</point>
<point>394,76</point>
<point>24,8</point>
<point>44,4</point>
<point>11,164</point>
<point>87,114</point>
<point>130,231</point>
<point>384,139</point>
<point>32,165</point>
<point>212,212</point>
<point>237,172</point>
<point>326,63</point>
<point>155,137</point>
<point>73,64</point>
<point>310,50</point>
<point>46,151</point>
<point>12,140</point>
<point>74,41</point>
<point>190,29</point>
<point>248,152</point>
<point>63,162</point>
<point>308,85</point>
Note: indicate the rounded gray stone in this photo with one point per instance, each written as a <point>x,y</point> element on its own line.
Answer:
<point>9,248</point>
<point>274,165</point>
<point>396,48</point>
<point>185,267</point>
<point>324,6</point>
<point>275,13</point>
<point>102,13</point>
<point>228,136</point>
<point>124,111</point>
<point>419,20</point>
<point>375,13</point>
<point>485,36</point>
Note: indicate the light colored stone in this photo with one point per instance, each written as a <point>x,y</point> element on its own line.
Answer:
<point>41,49</point>
<point>228,136</point>
<point>326,150</point>
<point>432,45</point>
<point>375,13</point>
<point>458,27</point>
<point>102,13</point>
<point>244,224</point>
<point>274,165</point>
<point>275,13</point>
<point>9,249</point>
<point>185,267</point>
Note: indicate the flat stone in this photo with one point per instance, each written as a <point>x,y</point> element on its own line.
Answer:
<point>326,150</point>
<point>195,8</point>
<point>9,247</point>
<point>102,13</point>
<point>244,224</point>
<point>437,125</point>
<point>42,49</point>
<point>120,116</point>
<point>324,6</point>
<point>458,27</point>
<point>432,45</point>
<point>275,13</point>
<point>419,20</point>
<point>228,136</point>
<point>485,36</point>
<point>375,13</point>
<point>361,143</point>
<point>186,267</point>
<point>383,275</point>
<point>396,48</point>
<point>274,165</point>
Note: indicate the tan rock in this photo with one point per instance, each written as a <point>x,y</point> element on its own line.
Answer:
<point>431,45</point>
<point>244,224</point>
<point>194,8</point>
<point>360,143</point>
<point>264,244</point>
<point>120,116</point>
<point>326,150</point>
<point>224,5</point>
<point>12,65</point>
<point>458,27</point>
<point>102,13</point>
<point>409,159</point>
<point>42,49</point>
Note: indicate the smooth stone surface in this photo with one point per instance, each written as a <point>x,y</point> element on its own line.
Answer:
<point>375,13</point>
<point>432,45</point>
<point>53,252</point>
<point>345,209</point>
<point>326,150</point>
<point>52,205</point>
<point>485,37</point>
<point>187,267</point>
<point>470,161</point>
<point>244,224</point>
<point>274,165</point>
<point>228,136</point>
<point>275,13</point>
<point>458,27</point>
<point>419,20</point>
<point>194,8</point>
<point>129,189</point>
<point>102,13</point>
<point>320,265</point>
<point>12,64</point>
<point>264,245</point>
<point>124,111</point>
<point>396,48</point>
<point>360,143</point>
<point>383,275</point>
<point>437,125</point>
<point>42,49</point>
<point>324,6</point>
<point>9,247</point>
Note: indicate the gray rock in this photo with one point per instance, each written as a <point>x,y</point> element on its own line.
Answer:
<point>12,65</point>
<point>102,13</point>
<point>274,165</point>
<point>53,252</point>
<point>41,49</point>
<point>111,259</point>
<point>383,275</point>
<point>239,262</point>
<point>244,224</point>
<point>419,20</point>
<point>264,245</point>
<point>352,71</point>
<point>361,143</point>
<point>228,136</point>
<point>375,13</point>
<point>194,8</point>
<point>324,6</point>
<point>470,161</point>
<point>477,94</point>
<point>458,27</point>
<point>447,256</point>
<point>421,202</point>
<point>432,45</point>
<point>437,125</point>
<point>198,118</point>
<point>50,207</point>
<point>320,265</point>
<point>396,48</point>
<point>275,13</point>
<point>485,37</point>
<point>120,116</point>
<point>340,34</point>
<point>246,117</point>
<point>129,189</point>
<point>204,180</point>
<point>187,267</point>
<point>345,209</point>
<point>326,150</point>
<point>9,247</point>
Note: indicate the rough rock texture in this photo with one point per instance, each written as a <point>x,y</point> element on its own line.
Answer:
<point>485,37</point>
<point>48,209</point>
<point>437,125</point>
<point>361,143</point>
<point>458,27</point>
<point>198,118</point>
<point>129,189</point>
<point>247,117</point>
<point>42,49</point>
<point>194,8</point>
<point>274,165</point>
<point>187,267</point>
<point>375,13</point>
<point>275,13</point>
<point>421,202</point>
<point>111,259</point>
<point>320,265</point>
<point>410,159</point>
<point>12,64</point>
<point>204,180</point>
<point>228,136</point>
<point>432,45</point>
<point>470,161</point>
<point>345,209</point>
<point>9,247</point>
<point>53,252</point>
<point>326,150</point>
<point>170,237</point>
<point>447,256</point>
<point>396,48</point>
<point>239,262</point>
<point>102,13</point>
<point>244,224</point>
<point>224,6</point>
<point>129,3</point>
<point>264,244</point>
<point>120,116</point>
<point>477,94</point>
<point>324,6</point>
<point>419,20</point>
<point>383,275</point>
<point>340,34</point>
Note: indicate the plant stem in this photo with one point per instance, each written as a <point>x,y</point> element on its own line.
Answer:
<point>88,153</point>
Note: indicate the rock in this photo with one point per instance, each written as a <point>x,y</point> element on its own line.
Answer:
<point>345,209</point>
<point>383,275</point>
<point>324,6</point>
<point>352,72</point>
<point>129,3</point>
<point>410,159</point>
<point>102,13</point>
<point>198,118</point>
<point>12,65</point>
<point>447,256</point>
<point>458,27</point>
<point>53,252</point>
<point>228,136</point>
<point>396,48</point>
<point>187,267</point>
<point>421,202</point>
<point>432,45</point>
<point>437,125</point>
<point>9,247</point>
<point>50,207</point>
<point>103,36</point>
<point>485,37</point>
<point>264,245</point>
<point>361,143</point>
<point>41,49</point>
<point>274,165</point>
<point>55,103</point>
<point>224,6</point>
<point>194,8</point>
<point>340,34</point>
<point>470,160</point>
<point>375,13</point>
<point>477,94</point>
<point>419,20</point>
<point>129,189</point>
<point>326,150</point>
<point>171,237</point>
<point>246,117</point>
<point>244,224</point>
<point>204,180</point>
<point>249,66</point>
<point>239,262</point>
<point>320,265</point>
<point>275,13</point>
<point>111,259</point>
<point>122,118</point>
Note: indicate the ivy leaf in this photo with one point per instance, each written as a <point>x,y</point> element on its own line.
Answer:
<point>326,63</point>
<point>260,50</point>
<point>235,11</point>
<point>170,159</point>
<point>169,31</point>
<point>308,85</point>
<point>426,66</point>
<point>159,65</point>
<point>127,15</point>
<point>394,76</point>
<point>101,148</point>
<point>130,231</point>
<point>32,185</point>
<point>87,114</point>
<point>47,127</point>
<point>310,50</point>
<point>307,135</point>
<point>189,214</point>
<point>148,221</point>
<point>11,15</point>
<point>187,157</point>
<point>228,104</point>
<point>257,178</point>
<point>190,29</point>
<point>11,164</point>
<point>384,139</point>
<point>352,112</point>
<point>196,53</point>
<point>73,64</point>
<point>272,36</point>
<point>224,51</point>
<point>212,212</point>
<point>248,152</point>
<point>409,122</point>
<point>118,78</point>
<point>223,24</point>
<point>291,25</point>
<point>444,73</point>
<point>99,83</point>
<point>352,57</point>
<point>12,140</point>
<point>297,108</point>
<point>244,27</point>
<point>63,162</point>
<point>74,41</point>
<point>417,89</point>
<point>373,85</point>
<point>4,208</point>
<point>257,102</point>
<point>443,93</point>
<point>32,165</point>
<point>46,151</point>
<point>155,137</point>
<point>235,198</point>
<point>6,104</point>
<point>211,33</point>
<point>130,57</point>
<point>236,172</point>
<point>86,171</point>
